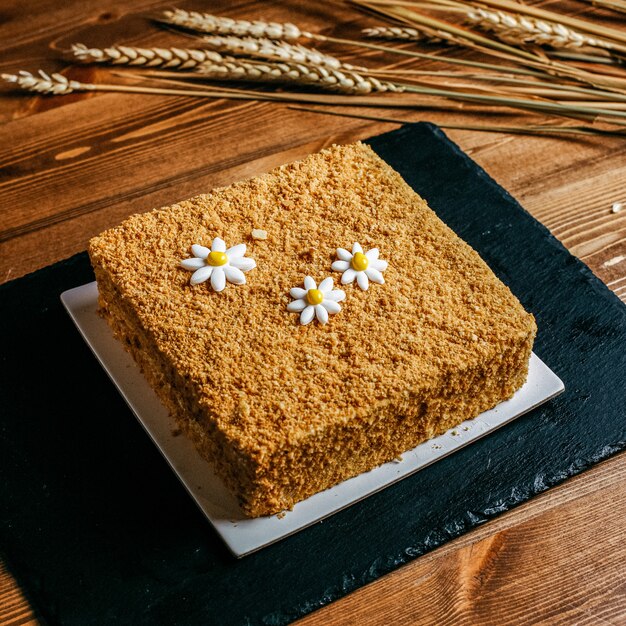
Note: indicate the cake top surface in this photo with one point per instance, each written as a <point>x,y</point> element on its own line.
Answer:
<point>264,378</point>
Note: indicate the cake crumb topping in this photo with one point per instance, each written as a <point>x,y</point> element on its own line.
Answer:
<point>386,347</point>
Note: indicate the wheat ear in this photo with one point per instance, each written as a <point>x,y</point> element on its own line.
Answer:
<point>148,57</point>
<point>394,32</point>
<point>522,29</point>
<point>56,84</point>
<point>263,48</point>
<point>207,23</point>
<point>296,74</point>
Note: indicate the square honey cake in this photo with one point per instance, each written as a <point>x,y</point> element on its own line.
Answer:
<point>280,408</point>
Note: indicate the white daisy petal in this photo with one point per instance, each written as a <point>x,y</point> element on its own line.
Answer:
<point>306,317</point>
<point>336,295</point>
<point>234,275</point>
<point>340,266</point>
<point>330,306</point>
<point>193,264</point>
<point>296,306</point>
<point>372,254</point>
<point>236,251</point>
<point>362,280</point>
<point>374,275</point>
<point>200,251</point>
<point>321,313</point>
<point>199,276</point>
<point>218,279</point>
<point>309,283</point>
<point>356,247</point>
<point>218,245</point>
<point>326,285</point>
<point>379,265</point>
<point>245,264</point>
<point>232,270</point>
<point>344,255</point>
<point>348,277</point>
<point>297,292</point>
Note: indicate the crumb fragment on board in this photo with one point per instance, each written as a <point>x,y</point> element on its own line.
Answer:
<point>259,234</point>
<point>614,261</point>
<point>617,207</point>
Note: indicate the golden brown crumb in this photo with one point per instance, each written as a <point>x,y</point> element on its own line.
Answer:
<point>284,410</point>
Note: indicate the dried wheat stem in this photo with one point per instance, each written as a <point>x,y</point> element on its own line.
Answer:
<point>207,23</point>
<point>620,7</point>
<point>522,29</point>
<point>298,74</point>
<point>148,57</point>
<point>263,48</point>
<point>493,47</point>
<point>536,129</point>
<point>518,7</point>
<point>403,33</point>
<point>395,32</point>
<point>56,84</point>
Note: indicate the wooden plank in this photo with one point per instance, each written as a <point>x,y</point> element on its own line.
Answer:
<point>72,166</point>
<point>86,166</point>
<point>559,559</point>
<point>14,607</point>
<point>60,157</point>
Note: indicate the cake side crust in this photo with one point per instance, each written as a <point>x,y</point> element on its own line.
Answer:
<point>346,450</point>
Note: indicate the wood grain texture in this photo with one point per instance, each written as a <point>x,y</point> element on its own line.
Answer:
<point>14,608</point>
<point>555,560</point>
<point>72,166</point>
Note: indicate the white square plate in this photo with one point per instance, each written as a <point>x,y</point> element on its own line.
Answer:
<point>243,535</point>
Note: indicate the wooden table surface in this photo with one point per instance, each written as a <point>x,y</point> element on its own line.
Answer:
<point>74,165</point>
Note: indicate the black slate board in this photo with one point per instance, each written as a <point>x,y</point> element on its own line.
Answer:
<point>99,531</point>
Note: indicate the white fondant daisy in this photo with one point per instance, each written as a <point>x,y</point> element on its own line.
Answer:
<point>219,264</point>
<point>314,301</point>
<point>363,267</point>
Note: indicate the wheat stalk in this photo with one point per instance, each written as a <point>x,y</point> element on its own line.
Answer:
<point>235,69</point>
<point>577,110</point>
<point>613,5</point>
<point>44,83</point>
<point>148,57</point>
<point>394,32</point>
<point>403,33</point>
<point>274,50</point>
<point>58,84</point>
<point>213,24</point>
<point>209,23</point>
<point>489,46</point>
<point>298,74</point>
<point>513,6</point>
<point>579,24</point>
<point>236,49</point>
<point>531,130</point>
<point>211,63</point>
<point>522,29</point>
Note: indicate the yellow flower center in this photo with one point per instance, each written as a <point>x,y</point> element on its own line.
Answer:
<point>217,258</point>
<point>359,262</point>
<point>314,296</point>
